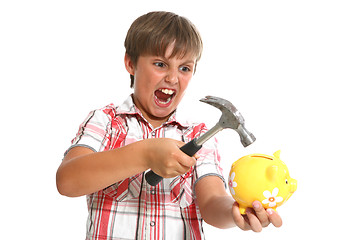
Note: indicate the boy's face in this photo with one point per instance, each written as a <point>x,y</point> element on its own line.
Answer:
<point>160,83</point>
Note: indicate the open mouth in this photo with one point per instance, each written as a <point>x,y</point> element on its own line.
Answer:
<point>164,95</point>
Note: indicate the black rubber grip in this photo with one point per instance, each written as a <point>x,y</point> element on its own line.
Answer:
<point>190,149</point>
<point>152,178</point>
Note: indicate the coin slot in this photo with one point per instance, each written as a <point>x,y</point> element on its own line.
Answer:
<point>262,157</point>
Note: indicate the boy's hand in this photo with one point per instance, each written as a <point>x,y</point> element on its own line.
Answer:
<point>165,158</point>
<point>256,218</point>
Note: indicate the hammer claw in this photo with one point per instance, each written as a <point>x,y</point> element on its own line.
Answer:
<point>217,102</point>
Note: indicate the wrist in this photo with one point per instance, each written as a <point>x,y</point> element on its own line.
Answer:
<point>144,151</point>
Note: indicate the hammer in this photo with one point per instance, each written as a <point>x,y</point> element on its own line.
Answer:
<point>230,118</point>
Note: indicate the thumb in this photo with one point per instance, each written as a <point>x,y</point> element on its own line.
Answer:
<point>186,159</point>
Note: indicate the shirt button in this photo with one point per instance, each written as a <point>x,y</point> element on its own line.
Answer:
<point>152,192</point>
<point>153,134</point>
<point>152,223</point>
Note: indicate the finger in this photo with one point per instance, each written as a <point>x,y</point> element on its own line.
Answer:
<point>186,161</point>
<point>181,170</point>
<point>240,220</point>
<point>253,220</point>
<point>261,214</point>
<point>185,169</point>
<point>274,217</point>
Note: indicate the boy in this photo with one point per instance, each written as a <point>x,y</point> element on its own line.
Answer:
<point>115,146</point>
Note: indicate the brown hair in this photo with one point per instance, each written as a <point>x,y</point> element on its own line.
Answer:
<point>152,33</point>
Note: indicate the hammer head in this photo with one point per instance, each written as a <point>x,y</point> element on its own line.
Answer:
<point>231,118</point>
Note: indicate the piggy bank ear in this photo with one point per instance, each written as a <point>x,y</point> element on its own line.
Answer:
<point>271,173</point>
<point>277,154</point>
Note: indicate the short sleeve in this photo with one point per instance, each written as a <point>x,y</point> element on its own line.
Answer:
<point>95,131</point>
<point>209,161</point>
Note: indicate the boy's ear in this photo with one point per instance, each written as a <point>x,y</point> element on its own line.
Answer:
<point>129,64</point>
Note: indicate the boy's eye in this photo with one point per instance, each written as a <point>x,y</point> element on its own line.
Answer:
<point>185,69</point>
<point>159,64</point>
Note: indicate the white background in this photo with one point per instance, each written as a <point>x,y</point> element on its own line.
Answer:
<point>290,67</point>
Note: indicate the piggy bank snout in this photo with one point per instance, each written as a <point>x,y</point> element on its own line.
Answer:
<point>293,185</point>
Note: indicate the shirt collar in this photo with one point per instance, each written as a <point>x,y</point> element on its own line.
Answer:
<point>128,107</point>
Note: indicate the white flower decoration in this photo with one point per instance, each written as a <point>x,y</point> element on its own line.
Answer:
<point>271,198</point>
<point>232,183</point>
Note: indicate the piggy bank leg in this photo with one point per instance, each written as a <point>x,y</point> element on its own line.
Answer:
<point>242,210</point>
<point>272,208</point>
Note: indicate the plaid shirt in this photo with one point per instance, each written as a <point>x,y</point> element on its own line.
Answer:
<point>131,208</point>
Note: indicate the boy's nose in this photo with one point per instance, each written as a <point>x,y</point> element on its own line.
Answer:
<point>172,77</point>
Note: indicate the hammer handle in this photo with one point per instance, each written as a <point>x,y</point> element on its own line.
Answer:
<point>190,149</point>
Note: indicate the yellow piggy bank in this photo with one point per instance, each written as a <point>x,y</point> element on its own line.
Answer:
<point>260,177</point>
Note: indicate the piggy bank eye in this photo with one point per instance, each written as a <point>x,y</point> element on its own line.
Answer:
<point>286,181</point>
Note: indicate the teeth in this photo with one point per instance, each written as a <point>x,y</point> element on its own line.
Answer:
<point>167,101</point>
<point>167,91</point>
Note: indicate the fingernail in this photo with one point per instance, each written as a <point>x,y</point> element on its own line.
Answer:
<point>269,211</point>
<point>256,205</point>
